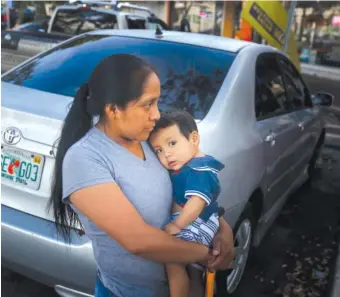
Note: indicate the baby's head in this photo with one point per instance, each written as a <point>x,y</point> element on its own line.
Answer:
<point>175,139</point>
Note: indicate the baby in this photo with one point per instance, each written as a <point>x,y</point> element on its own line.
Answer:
<point>175,140</point>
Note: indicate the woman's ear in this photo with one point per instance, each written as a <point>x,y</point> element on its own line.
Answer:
<point>194,138</point>
<point>111,111</point>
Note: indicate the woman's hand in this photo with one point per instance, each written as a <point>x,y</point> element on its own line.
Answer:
<point>172,228</point>
<point>223,248</point>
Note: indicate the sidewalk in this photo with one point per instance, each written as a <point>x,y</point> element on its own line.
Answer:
<point>336,283</point>
<point>321,71</point>
<point>333,137</point>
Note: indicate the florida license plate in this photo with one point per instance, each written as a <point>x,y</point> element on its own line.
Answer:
<point>22,167</point>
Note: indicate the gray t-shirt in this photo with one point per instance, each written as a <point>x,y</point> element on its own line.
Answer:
<point>96,159</point>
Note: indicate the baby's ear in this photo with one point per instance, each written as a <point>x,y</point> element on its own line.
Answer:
<point>194,137</point>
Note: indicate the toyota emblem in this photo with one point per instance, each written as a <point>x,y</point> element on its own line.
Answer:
<point>11,135</point>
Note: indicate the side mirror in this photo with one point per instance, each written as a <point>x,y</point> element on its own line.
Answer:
<point>323,99</point>
<point>42,30</point>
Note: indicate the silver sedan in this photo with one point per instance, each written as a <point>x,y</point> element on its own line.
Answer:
<point>254,113</point>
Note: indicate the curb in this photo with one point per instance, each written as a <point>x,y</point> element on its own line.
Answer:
<point>321,71</point>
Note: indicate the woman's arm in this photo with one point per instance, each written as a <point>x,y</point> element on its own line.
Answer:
<point>107,207</point>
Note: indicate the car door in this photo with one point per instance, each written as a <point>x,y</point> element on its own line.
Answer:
<point>276,123</point>
<point>298,93</point>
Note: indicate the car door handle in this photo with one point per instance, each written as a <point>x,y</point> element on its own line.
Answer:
<point>270,138</point>
<point>301,126</point>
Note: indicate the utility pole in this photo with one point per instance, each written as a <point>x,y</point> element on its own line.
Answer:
<point>9,5</point>
<point>291,12</point>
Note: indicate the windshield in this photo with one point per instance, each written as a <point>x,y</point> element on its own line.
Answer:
<point>191,76</point>
<point>77,21</point>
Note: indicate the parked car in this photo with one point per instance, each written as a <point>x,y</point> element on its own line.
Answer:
<point>328,49</point>
<point>254,113</point>
<point>70,20</point>
<point>37,26</point>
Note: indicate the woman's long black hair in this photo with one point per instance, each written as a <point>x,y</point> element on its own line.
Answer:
<point>117,80</point>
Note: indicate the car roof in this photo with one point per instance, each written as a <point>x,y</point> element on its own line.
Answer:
<point>104,3</point>
<point>211,41</point>
<point>97,8</point>
<point>101,8</point>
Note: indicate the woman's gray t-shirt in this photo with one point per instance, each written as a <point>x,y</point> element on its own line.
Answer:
<point>96,159</point>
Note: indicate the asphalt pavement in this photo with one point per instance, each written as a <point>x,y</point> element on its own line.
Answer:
<point>317,84</point>
<point>301,245</point>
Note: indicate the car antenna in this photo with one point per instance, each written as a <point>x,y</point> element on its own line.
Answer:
<point>159,32</point>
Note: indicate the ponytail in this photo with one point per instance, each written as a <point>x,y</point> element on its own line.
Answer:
<point>116,80</point>
<point>77,123</point>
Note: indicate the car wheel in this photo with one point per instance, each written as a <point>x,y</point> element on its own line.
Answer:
<point>228,281</point>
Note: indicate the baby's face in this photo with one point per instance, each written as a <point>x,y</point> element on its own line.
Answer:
<point>172,148</point>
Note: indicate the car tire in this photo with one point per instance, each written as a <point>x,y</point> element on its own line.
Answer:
<point>227,282</point>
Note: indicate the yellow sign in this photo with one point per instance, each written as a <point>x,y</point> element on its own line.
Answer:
<point>270,19</point>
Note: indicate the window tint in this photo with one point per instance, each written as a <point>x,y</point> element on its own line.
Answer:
<point>191,76</point>
<point>296,90</point>
<point>270,95</point>
<point>136,22</point>
<point>33,27</point>
<point>74,22</point>
<point>154,22</point>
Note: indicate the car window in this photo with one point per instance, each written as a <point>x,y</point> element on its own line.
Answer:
<point>72,22</point>
<point>154,22</point>
<point>295,88</point>
<point>136,22</point>
<point>270,95</point>
<point>191,76</point>
<point>33,27</point>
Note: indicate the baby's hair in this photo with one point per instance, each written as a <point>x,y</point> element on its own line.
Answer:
<point>184,121</point>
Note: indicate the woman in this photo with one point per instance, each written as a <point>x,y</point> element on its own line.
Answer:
<point>108,179</point>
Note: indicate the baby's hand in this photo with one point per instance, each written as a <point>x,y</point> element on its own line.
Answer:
<point>172,228</point>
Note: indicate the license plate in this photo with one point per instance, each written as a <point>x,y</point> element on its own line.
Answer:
<point>22,167</point>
